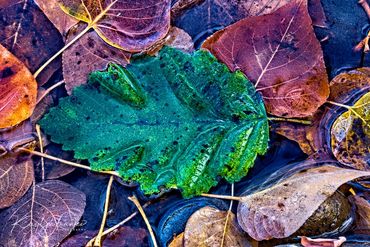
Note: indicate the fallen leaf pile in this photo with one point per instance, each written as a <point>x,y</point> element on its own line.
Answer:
<point>184,123</point>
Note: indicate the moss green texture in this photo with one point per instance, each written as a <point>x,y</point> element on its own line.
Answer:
<point>173,121</point>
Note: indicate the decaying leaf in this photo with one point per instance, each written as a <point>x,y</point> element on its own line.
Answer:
<point>206,227</point>
<point>281,55</point>
<point>129,25</point>
<point>123,236</point>
<point>176,121</point>
<point>88,54</point>
<point>18,90</point>
<point>279,211</point>
<point>60,20</point>
<point>362,224</point>
<point>16,176</point>
<point>201,18</point>
<point>21,135</point>
<point>350,135</point>
<point>322,242</point>
<point>311,138</point>
<point>43,217</point>
<point>29,35</point>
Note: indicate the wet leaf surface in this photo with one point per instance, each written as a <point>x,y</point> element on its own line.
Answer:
<point>206,228</point>
<point>280,55</point>
<point>130,25</point>
<point>44,216</point>
<point>124,236</point>
<point>217,123</point>
<point>18,90</point>
<point>29,35</point>
<point>350,135</point>
<point>201,18</point>
<point>279,211</point>
<point>16,176</point>
<point>88,54</point>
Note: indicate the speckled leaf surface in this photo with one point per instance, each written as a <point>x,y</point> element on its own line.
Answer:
<point>173,121</point>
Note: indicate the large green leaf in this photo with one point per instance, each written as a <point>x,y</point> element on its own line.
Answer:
<point>173,121</point>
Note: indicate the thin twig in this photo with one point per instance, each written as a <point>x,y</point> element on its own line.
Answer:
<point>47,91</point>
<point>66,161</point>
<point>97,241</point>
<point>38,130</point>
<point>141,210</point>
<point>113,228</point>
<point>235,198</point>
<point>227,217</point>
<point>293,120</point>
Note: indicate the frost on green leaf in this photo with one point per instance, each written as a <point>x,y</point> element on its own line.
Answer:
<point>172,121</point>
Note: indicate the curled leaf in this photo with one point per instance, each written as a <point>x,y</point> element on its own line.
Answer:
<point>362,224</point>
<point>322,242</point>
<point>18,90</point>
<point>43,217</point>
<point>281,55</point>
<point>206,228</point>
<point>279,211</point>
<point>129,25</point>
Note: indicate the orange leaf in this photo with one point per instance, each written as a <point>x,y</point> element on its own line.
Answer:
<point>18,90</point>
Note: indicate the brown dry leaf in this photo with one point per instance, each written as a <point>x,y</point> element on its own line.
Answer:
<point>206,227</point>
<point>322,242</point>
<point>177,241</point>
<point>21,135</point>
<point>279,52</point>
<point>342,88</point>
<point>18,90</point>
<point>16,176</point>
<point>88,54</point>
<point>29,35</point>
<point>362,223</point>
<point>279,211</point>
<point>43,217</point>
<point>60,20</point>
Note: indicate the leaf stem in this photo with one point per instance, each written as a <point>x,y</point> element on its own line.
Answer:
<point>235,198</point>
<point>38,130</point>
<point>227,217</point>
<point>47,91</point>
<point>97,241</point>
<point>293,120</point>
<point>350,108</point>
<point>62,50</point>
<point>66,161</point>
<point>141,210</point>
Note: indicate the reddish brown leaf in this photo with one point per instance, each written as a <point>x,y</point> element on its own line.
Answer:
<point>322,242</point>
<point>43,217</point>
<point>88,54</point>
<point>129,25</point>
<point>123,236</point>
<point>342,88</point>
<point>60,20</point>
<point>16,176</point>
<point>281,55</point>
<point>279,211</point>
<point>18,90</point>
<point>362,223</point>
<point>29,35</point>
